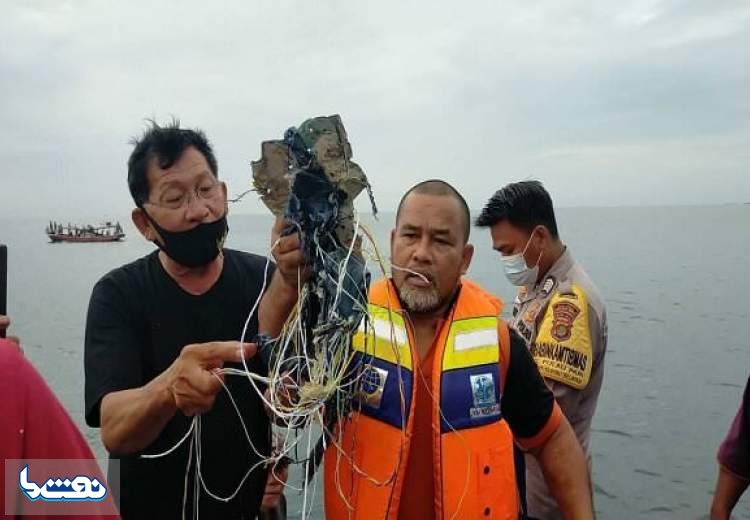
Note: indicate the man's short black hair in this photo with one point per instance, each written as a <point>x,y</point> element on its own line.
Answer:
<point>524,204</point>
<point>166,144</point>
<point>438,187</point>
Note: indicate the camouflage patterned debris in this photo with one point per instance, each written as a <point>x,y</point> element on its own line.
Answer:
<point>317,144</point>
<point>270,177</point>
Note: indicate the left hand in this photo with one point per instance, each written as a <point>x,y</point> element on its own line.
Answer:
<point>290,260</point>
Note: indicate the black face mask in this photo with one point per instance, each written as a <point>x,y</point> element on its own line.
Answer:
<point>194,247</point>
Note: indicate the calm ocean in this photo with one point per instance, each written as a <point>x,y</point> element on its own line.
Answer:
<point>678,357</point>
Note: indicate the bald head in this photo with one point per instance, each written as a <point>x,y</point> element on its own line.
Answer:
<point>440,188</point>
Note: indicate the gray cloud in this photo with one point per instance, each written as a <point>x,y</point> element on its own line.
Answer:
<point>608,104</point>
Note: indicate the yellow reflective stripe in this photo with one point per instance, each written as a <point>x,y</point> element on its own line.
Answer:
<point>387,338</point>
<point>472,342</point>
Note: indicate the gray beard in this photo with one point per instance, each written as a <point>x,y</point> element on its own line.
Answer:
<point>420,300</point>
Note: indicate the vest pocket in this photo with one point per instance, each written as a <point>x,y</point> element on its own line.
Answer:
<point>497,496</point>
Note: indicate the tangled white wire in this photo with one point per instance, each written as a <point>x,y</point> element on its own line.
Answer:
<point>298,405</point>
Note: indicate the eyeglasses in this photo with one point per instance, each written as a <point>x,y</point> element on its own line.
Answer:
<point>177,198</point>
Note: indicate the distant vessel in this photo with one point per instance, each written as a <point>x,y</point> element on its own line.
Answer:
<point>107,232</point>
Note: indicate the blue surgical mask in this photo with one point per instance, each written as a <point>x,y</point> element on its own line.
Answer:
<point>516,270</point>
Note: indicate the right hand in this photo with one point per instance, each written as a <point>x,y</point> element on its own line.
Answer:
<point>290,260</point>
<point>193,378</point>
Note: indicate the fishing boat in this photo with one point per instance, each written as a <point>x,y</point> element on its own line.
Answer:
<point>106,232</point>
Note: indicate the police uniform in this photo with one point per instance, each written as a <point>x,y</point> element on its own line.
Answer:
<point>564,323</point>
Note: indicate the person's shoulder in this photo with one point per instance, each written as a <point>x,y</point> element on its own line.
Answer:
<point>481,294</point>
<point>130,274</point>
<point>248,268</point>
<point>247,260</point>
<point>577,281</point>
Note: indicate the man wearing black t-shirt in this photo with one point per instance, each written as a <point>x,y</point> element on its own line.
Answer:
<point>158,327</point>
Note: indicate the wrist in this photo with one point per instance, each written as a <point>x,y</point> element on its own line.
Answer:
<point>284,290</point>
<point>160,393</point>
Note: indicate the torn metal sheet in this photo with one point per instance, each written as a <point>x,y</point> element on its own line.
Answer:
<point>318,147</point>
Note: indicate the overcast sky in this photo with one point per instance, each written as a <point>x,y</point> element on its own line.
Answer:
<point>608,104</point>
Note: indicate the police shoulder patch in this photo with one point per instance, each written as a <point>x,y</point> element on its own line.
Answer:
<point>563,346</point>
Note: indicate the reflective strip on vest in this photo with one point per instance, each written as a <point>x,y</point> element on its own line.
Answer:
<point>471,342</point>
<point>470,384</point>
<point>386,337</point>
<point>385,378</point>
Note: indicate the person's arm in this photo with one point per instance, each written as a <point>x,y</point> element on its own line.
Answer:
<point>120,400</point>
<point>132,419</point>
<point>566,472</point>
<point>540,428</point>
<point>275,306</point>
<point>576,402</point>
<point>36,427</point>
<point>734,462</point>
<point>729,489</point>
<point>281,294</point>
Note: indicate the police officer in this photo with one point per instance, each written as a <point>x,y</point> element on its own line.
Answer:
<point>558,311</point>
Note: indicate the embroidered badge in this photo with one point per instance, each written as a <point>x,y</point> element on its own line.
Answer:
<point>372,385</point>
<point>547,286</point>
<point>563,315</point>
<point>483,395</point>
<point>531,312</point>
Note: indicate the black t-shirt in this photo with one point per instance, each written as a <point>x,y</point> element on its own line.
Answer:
<point>139,319</point>
<point>527,402</point>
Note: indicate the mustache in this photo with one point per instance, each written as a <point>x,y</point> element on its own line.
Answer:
<point>426,276</point>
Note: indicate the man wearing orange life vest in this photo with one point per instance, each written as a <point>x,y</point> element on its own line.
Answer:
<point>445,389</point>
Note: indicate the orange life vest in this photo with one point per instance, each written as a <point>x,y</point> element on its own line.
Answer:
<point>472,444</point>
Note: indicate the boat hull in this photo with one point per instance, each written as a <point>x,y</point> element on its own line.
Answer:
<point>69,238</point>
